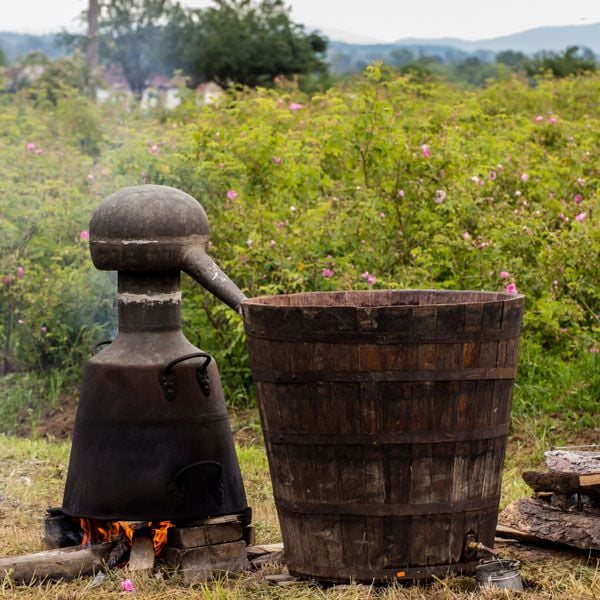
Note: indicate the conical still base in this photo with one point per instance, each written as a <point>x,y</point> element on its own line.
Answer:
<point>143,451</point>
<point>147,463</point>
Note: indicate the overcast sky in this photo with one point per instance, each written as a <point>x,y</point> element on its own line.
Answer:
<point>385,20</point>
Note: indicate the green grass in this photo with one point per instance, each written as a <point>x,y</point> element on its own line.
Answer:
<point>32,474</point>
<point>27,396</point>
<point>558,394</point>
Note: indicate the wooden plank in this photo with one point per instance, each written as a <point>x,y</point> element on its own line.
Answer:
<point>591,480</point>
<point>449,356</point>
<point>64,563</point>
<point>421,472</point>
<point>485,403</point>
<point>370,416</point>
<point>473,316</point>
<point>325,465</point>
<point>562,482</point>
<point>471,356</point>
<point>492,315</point>
<point>427,356</point>
<point>141,557</point>
<point>450,318</point>
<point>510,533</point>
<point>395,536</point>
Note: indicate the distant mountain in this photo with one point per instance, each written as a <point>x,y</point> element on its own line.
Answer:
<point>20,44</point>
<point>530,41</point>
<point>346,57</point>
<point>349,58</point>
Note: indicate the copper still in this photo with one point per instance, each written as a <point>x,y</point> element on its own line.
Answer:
<point>152,438</point>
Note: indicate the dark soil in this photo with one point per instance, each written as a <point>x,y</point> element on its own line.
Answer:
<point>57,423</point>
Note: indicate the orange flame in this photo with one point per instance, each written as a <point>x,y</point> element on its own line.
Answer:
<point>95,531</point>
<point>159,537</point>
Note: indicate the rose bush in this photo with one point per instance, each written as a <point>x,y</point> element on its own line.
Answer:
<point>381,183</point>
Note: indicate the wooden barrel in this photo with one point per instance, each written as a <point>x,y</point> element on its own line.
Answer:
<point>385,416</point>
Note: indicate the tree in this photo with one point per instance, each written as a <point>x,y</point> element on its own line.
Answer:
<point>241,41</point>
<point>515,61</point>
<point>572,61</point>
<point>93,49</point>
<point>474,72</point>
<point>131,35</point>
<point>401,57</point>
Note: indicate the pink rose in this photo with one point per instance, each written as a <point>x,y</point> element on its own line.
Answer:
<point>84,235</point>
<point>370,279</point>
<point>504,274</point>
<point>127,585</point>
<point>295,106</point>
<point>232,194</point>
<point>440,196</point>
<point>326,272</point>
<point>511,288</point>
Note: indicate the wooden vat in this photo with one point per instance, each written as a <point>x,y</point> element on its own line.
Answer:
<point>385,416</point>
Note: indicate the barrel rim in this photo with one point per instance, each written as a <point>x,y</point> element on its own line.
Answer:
<point>478,297</point>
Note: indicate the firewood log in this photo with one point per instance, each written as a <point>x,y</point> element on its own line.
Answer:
<point>584,462</point>
<point>562,482</point>
<point>540,521</point>
<point>64,563</point>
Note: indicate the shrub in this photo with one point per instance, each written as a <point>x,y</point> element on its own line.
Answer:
<point>384,183</point>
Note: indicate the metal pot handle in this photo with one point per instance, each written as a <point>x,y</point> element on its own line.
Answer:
<point>166,379</point>
<point>205,475</point>
<point>98,344</point>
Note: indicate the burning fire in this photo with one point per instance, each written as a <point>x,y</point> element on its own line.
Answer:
<point>95,531</point>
